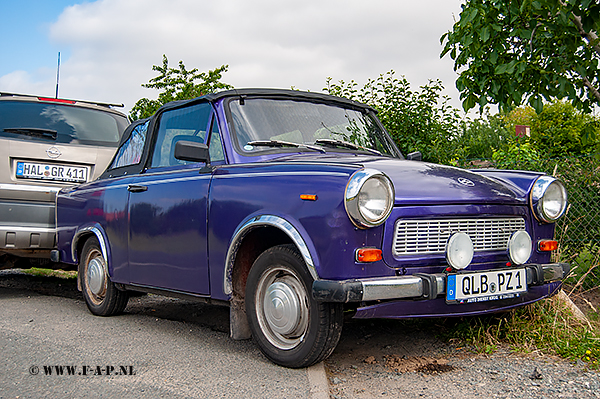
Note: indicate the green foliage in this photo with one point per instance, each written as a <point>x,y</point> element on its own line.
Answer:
<point>480,138</point>
<point>586,266</point>
<point>417,120</point>
<point>559,130</point>
<point>516,154</point>
<point>178,84</point>
<point>511,51</point>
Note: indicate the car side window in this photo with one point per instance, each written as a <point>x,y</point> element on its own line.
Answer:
<point>215,147</point>
<point>189,123</point>
<point>130,153</point>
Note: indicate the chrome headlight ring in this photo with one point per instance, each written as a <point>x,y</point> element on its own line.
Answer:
<point>369,198</point>
<point>548,199</point>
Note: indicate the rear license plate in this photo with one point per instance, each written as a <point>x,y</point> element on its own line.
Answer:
<point>42,171</point>
<point>486,286</point>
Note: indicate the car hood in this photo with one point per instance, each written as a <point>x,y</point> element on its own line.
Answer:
<point>426,183</point>
<point>422,183</point>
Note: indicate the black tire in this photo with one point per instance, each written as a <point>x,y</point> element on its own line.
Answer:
<point>101,296</point>
<point>300,331</point>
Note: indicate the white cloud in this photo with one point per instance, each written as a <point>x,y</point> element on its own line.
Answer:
<point>266,43</point>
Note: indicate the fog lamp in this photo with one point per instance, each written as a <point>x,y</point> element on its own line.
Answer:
<point>519,247</point>
<point>459,250</point>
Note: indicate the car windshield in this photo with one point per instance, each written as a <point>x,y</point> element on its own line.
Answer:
<point>291,125</point>
<point>58,123</point>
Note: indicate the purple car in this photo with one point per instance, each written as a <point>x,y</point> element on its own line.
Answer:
<point>292,208</point>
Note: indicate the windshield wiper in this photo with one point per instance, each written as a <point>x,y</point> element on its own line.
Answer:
<point>345,144</point>
<point>32,131</point>
<point>281,143</point>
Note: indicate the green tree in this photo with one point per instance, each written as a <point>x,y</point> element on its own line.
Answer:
<point>178,84</point>
<point>417,120</point>
<point>510,52</point>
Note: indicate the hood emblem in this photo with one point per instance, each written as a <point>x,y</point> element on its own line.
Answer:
<point>53,152</point>
<point>465,182</point>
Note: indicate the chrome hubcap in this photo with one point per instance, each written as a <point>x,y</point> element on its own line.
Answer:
<point>96,280</point>
<point>281,308</point>
<point>96,276</point>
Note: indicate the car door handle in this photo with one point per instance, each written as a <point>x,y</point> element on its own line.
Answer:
<point>136,189</point>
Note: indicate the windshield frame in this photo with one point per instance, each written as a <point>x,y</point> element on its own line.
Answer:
<point>343,104</point>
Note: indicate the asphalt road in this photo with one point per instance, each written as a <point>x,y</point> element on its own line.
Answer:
<point>160,348</point>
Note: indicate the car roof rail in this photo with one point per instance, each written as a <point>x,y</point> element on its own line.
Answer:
<point>62,100</point>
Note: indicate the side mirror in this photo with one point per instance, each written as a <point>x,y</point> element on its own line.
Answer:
<point>415,156</point>
<point>191,151</point>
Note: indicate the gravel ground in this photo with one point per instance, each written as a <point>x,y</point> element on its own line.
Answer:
<point>383,358</point>
<point>499,376</point>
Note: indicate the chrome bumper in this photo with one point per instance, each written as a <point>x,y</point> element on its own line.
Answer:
<point>416,286</point>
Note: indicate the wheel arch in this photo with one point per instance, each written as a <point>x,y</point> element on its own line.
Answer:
<point>266,223</point>
<point>79,239</point>
<point>252,238</point>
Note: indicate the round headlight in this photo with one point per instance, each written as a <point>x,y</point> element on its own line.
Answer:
<point>519,247</point>
<point>548,199</point>
<point>459,250</point>
<point>369,198</point>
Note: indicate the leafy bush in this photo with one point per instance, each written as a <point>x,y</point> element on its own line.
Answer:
<point>481,138</point>
<point>516,154</point>
<point>559,130</point>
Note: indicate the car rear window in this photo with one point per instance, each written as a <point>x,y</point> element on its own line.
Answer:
<point>59,124</point>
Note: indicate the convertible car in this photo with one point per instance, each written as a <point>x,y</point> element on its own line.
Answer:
<point>292,208</point>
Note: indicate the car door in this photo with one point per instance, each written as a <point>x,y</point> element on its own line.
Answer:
<point>167,209</point>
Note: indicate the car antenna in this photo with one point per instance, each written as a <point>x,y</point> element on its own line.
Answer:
<point>57,74</point>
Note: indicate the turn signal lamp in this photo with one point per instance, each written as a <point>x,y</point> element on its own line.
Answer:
<point>308,197</point>
<point>368,255</point>
<point>547,245</point>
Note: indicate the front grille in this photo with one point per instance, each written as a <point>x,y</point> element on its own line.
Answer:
<point>416,237</point>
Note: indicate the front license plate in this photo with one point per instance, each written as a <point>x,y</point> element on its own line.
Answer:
<point>486,286</point>
<point>42,171</point>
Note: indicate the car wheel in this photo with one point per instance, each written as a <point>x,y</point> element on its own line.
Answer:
<point>100,294</point>
<point>289,326</point>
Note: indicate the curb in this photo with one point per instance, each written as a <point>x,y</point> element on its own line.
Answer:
<point>317,379</point>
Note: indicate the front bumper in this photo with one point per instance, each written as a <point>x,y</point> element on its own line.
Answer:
<point>416,286</point>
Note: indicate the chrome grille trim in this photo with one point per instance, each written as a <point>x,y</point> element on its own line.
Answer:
<point>417,237</point>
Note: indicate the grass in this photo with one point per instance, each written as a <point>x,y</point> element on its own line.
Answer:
<point>547,326</point>
<point>36,271</point>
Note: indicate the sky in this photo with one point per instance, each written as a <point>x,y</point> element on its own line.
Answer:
<point>108,47</point>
